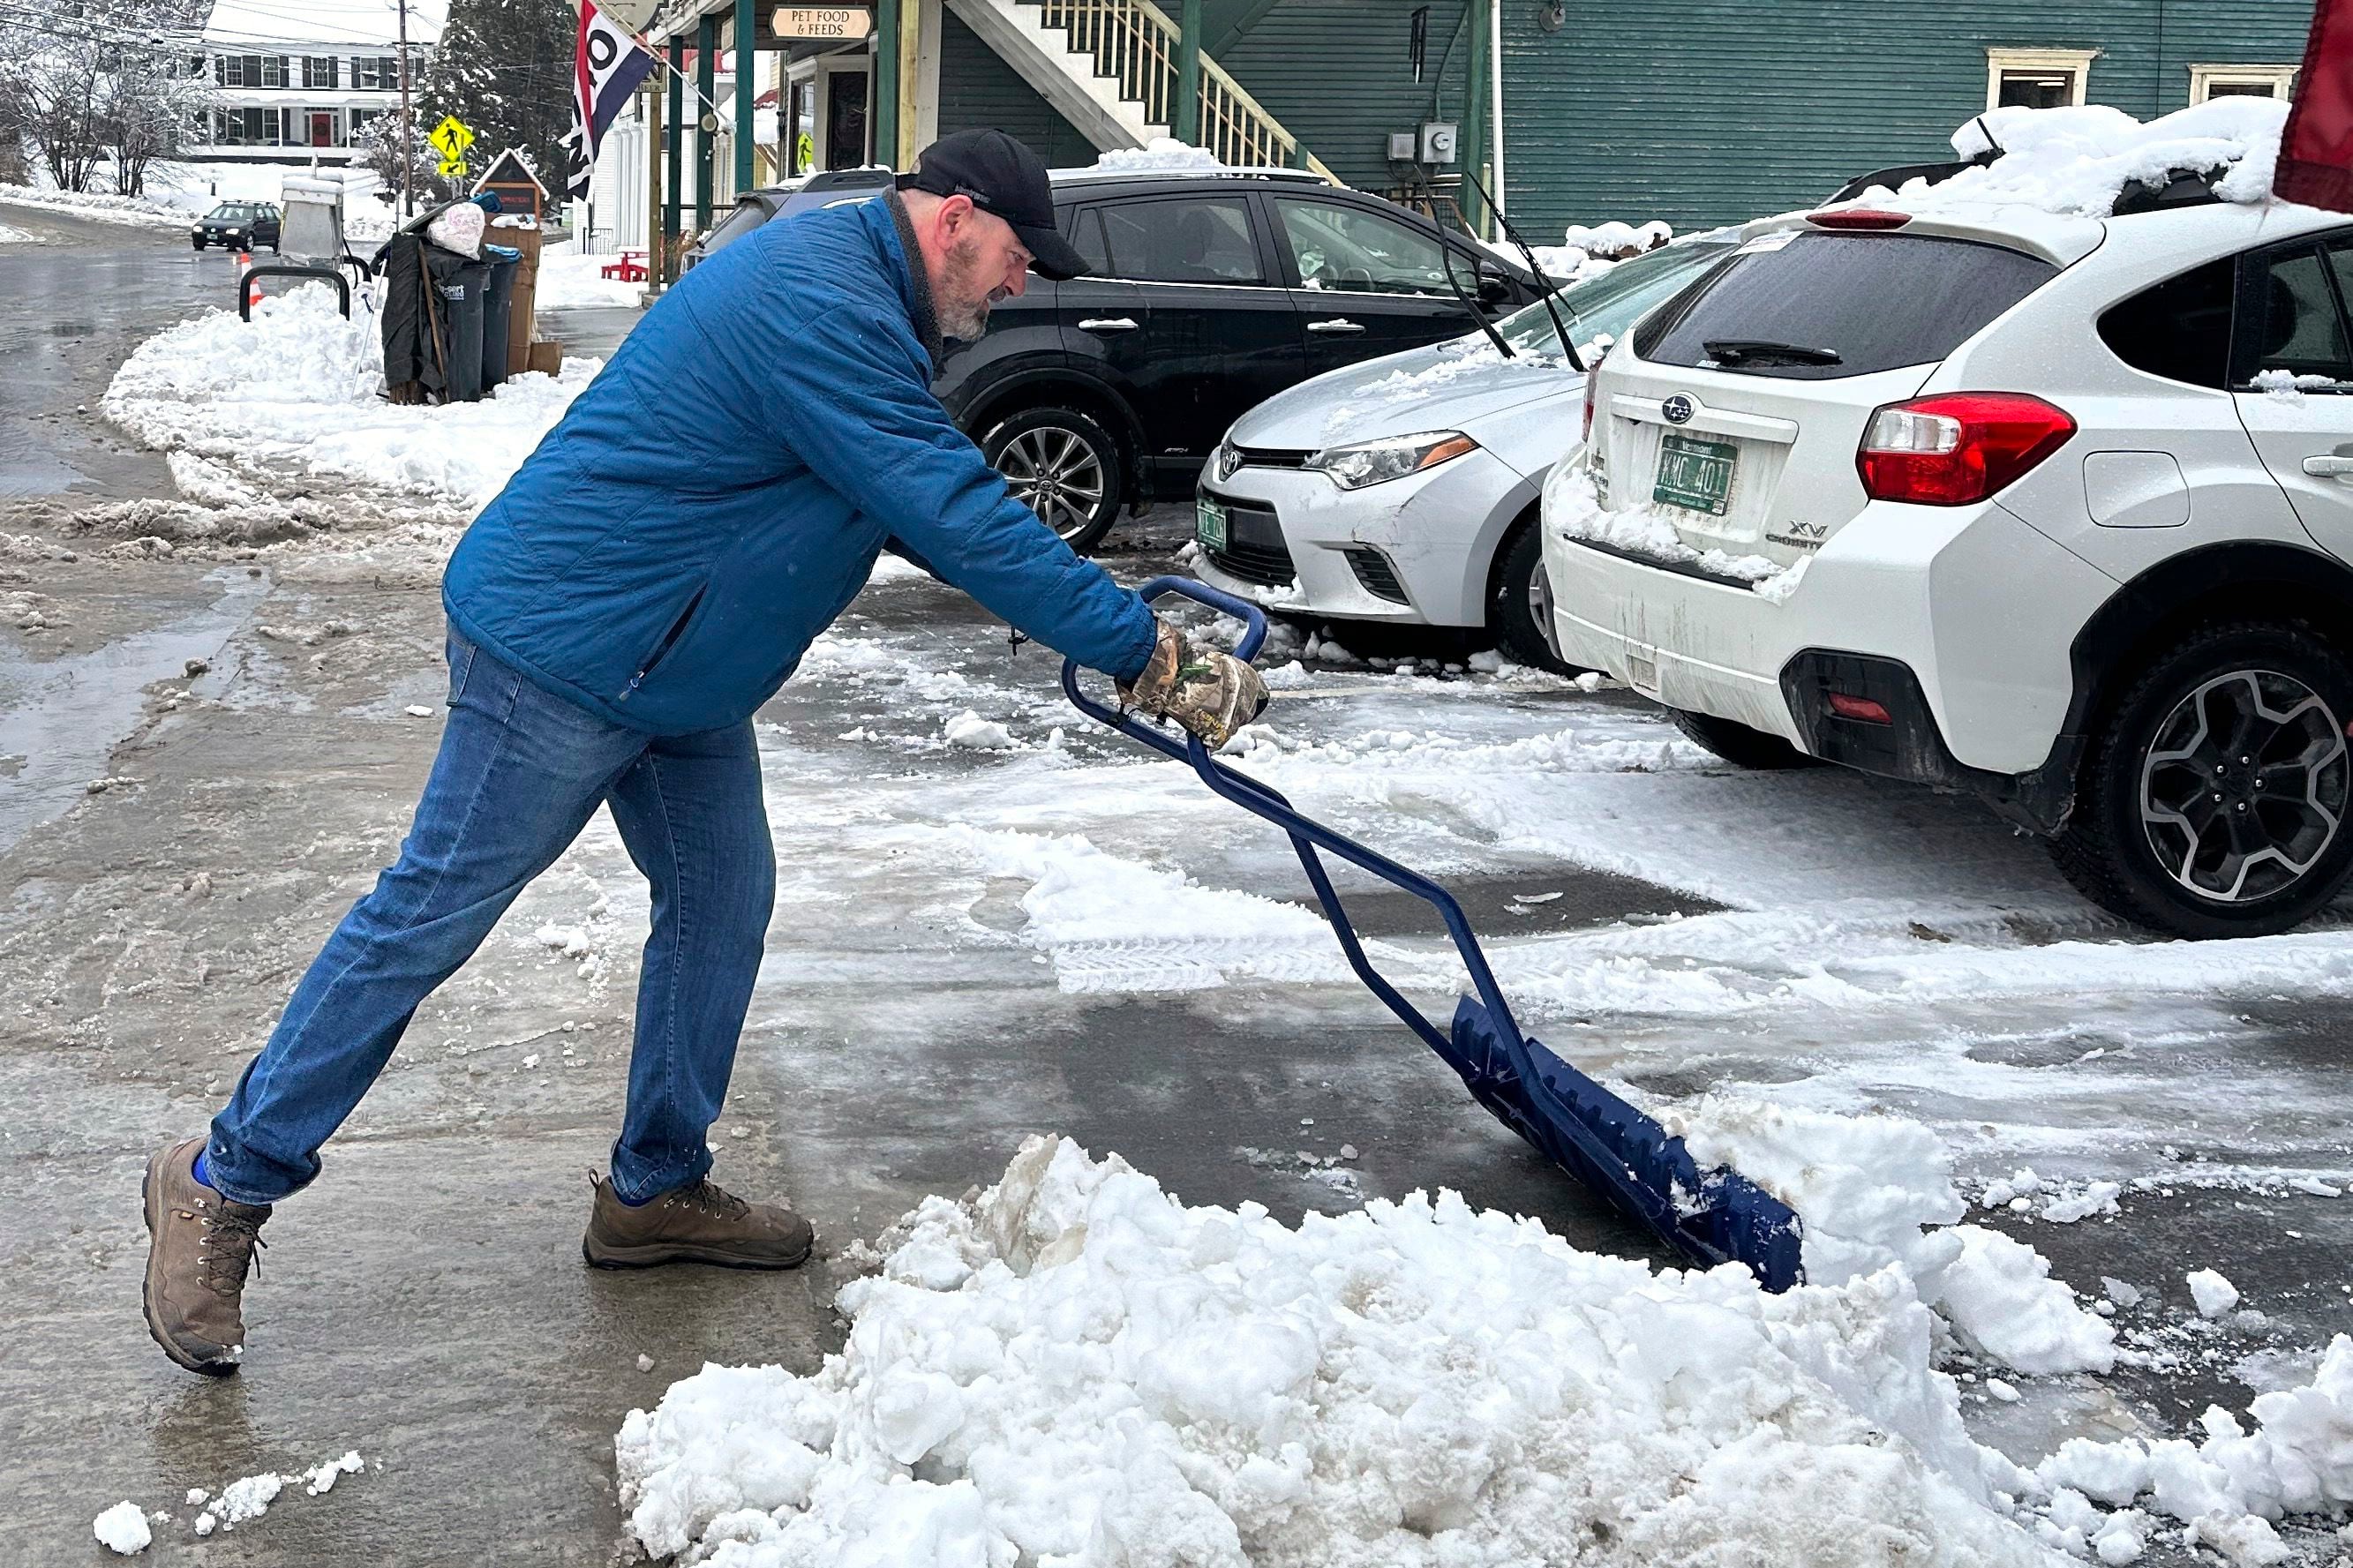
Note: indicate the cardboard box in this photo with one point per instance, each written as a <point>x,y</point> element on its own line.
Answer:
<point>547,358</point>
<point>521,331</point>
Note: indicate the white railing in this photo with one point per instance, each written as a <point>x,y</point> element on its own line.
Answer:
<point>1135,43</point>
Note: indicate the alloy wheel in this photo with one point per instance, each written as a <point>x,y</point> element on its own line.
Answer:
<point>1056,473</point>
<point>2244,787</point>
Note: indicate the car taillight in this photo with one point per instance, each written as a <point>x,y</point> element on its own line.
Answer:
<point>1591,380</point>
<point>1859,218</point>
<point>1958,447</point>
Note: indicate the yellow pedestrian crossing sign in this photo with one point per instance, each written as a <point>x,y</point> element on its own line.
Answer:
<point>450,138</point>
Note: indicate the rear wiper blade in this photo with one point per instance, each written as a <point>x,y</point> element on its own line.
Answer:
<point>1740,351</point>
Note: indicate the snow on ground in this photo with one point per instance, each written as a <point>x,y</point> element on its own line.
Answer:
<point>1076,1367</point>
<point>297,392</point>
<point>17,237</point>
<point>132,211</point>
<point>125,1528</point>
<point>569,282</point>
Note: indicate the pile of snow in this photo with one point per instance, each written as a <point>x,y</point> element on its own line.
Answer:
<point>122,1528</point>
<point>17,237</point>
<point>1869,1190</point>
<point>1587,251</point>
<point>1163,155</point>
<point>1076,1367</point>
<point>2229,1488</point>
<point>298,391</point>
<point>969,730</point>
<point>2075,162</point>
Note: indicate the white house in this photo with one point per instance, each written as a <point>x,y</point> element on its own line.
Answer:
<point>304,81</point>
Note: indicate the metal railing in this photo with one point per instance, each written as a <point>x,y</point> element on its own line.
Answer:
<point>1135,43</point>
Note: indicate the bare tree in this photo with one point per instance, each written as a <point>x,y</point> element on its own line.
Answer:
<point>118,81</point>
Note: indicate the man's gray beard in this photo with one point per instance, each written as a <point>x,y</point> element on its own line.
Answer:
<point>968,325</point>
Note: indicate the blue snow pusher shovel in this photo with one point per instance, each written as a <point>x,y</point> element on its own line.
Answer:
<point>1709,1216</point>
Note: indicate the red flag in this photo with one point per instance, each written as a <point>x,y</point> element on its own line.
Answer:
<point>2316,164</point>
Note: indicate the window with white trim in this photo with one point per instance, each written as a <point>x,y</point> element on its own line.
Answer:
<point>2037,79</point>
<point>2212,81</point>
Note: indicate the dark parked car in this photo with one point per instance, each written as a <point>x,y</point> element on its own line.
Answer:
<point>1210,292</point>
<point>239,226</point>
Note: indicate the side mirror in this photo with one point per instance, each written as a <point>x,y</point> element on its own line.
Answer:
<point>1494,288</point>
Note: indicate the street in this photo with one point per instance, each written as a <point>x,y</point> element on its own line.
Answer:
<point>208,750</point>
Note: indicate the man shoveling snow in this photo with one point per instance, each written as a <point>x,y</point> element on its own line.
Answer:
<point>651,575</point>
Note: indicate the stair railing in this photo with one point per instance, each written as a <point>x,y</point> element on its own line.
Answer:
<point>1135,43</point>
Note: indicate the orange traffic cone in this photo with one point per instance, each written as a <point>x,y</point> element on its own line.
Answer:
<point>252,285</point>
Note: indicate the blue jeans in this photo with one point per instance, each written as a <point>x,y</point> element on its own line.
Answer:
<point>520,774</point>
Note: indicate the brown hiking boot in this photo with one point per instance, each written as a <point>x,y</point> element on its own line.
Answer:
<point>698,1223</point>
<point>199,1247</point>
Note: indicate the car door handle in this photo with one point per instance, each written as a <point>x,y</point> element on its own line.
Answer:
<point>1108,324</point>
<point>1337,324</point>
<point>2329,468</point>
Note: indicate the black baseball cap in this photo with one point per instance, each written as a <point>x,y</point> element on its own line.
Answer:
<point>1003,177</point>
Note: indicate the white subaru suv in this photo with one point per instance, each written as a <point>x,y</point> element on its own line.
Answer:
<point>2052,507</point>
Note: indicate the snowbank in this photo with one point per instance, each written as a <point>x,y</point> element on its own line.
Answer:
<point>132,211</point>
<point>298,392</point>
<point>2075,162</point>
<point>1076,1367</point>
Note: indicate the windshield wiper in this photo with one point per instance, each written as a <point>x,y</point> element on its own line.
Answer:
<point>1543,280</point>
<point>1744,350</point>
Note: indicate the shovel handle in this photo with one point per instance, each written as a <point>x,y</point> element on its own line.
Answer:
<point>1308,836</point>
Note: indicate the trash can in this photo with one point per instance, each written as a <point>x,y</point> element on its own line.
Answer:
<point>498,305</point>
<point>462,299</point>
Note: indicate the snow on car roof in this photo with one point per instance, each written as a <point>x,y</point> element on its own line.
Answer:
<point>2056,175</point>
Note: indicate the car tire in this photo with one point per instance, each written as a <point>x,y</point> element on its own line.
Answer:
<point>1063,466</point>
<point>1738,744</point>
<point>199,243</point>
<point>2269,844</point>
<point>1514,600</point>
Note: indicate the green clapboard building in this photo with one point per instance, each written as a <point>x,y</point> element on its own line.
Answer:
<point>1699,112</point>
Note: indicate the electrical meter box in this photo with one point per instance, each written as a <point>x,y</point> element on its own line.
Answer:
<point>1438,138</point>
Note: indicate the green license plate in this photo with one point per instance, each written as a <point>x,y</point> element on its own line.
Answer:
<point>1208,523</point>
<point>1694,474</point>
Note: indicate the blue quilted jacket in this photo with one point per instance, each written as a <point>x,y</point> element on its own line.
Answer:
<point>719,493</point>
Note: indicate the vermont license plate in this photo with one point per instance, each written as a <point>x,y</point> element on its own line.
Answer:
<point>1209,522</point>
<point>1694,474</point>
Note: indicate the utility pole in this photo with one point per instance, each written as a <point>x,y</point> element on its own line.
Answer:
<point>408,129</point>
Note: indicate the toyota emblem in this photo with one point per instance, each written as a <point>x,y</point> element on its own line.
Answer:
<point>1678,409</point>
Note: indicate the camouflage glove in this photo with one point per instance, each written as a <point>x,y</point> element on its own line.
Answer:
<point>1210,693</point>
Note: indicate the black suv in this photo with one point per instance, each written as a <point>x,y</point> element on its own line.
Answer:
<point>1209,293</point>
<point>239,226</point>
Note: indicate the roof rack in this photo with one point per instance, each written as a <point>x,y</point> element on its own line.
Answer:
<point>1302,176</point>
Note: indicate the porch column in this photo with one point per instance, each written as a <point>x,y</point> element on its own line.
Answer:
<point>911,69</point>
<point>1472,144</point>
<point>747,88</point>
<point>676,82</point>
<point>706,45</point>
<point>1185,123</point>
<point>882,92</point>
<point>656,239</point>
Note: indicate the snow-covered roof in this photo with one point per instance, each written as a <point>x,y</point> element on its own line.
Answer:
<point>330,24</point>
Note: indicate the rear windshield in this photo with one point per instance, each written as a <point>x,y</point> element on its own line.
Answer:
<point>1819,306</point>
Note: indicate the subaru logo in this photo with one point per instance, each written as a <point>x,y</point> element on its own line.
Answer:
<point>1678,409</point>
